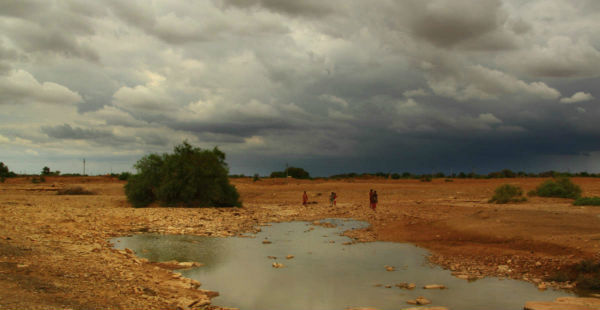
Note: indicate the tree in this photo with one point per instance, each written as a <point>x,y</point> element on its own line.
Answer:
<point>189,175</point>
<point>46,171</point>
<point>294,172</point>
<point>4,172</point>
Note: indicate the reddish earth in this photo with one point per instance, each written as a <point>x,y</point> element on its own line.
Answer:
<point>54,249</point>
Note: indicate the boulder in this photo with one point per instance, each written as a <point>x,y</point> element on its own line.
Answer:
<point>266,242</point>
<point>389,268</point>
<point>289,257</point>
<point>277,265</point>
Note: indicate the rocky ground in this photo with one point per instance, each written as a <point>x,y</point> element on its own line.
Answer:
<point>55,254</point>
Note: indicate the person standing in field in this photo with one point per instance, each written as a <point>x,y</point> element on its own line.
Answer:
<point>304,199</point>
<point>374,201</point>
<point>332,199</point>
<point>371,198</point>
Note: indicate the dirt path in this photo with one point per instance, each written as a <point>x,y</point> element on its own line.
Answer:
<point>54,250</point>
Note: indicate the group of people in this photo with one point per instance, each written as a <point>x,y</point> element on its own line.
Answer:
<point>333,196</point>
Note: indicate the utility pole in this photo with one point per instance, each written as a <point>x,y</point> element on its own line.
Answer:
<point>84,166</point>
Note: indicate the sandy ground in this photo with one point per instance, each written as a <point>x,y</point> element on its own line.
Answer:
<point>55,254</point>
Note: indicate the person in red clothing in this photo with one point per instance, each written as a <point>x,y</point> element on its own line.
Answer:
<point>374,201</point>
<point>332,198</point>
<point>304,199</point>
<point>371,198</point>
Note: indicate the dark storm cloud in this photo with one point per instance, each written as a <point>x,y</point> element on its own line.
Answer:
<point>335,86</point>
<point>447,23</point>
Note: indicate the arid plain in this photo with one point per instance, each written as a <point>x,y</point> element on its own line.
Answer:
<point>55,250</point>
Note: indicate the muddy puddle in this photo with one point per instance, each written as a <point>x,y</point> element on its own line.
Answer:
<point>324,273</point>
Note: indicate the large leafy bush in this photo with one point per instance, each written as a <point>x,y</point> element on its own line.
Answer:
<point>190,176</point>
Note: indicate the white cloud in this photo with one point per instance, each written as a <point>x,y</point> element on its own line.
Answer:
<point>577,97</point>
<point>19,86</point>
<point>479,82</point>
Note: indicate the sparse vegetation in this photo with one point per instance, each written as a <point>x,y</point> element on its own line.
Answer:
<point>75,190</point>
<point>586,273</point>
<point>190,176</point>
<point>426,178</point>
<point>256,177</point>
<point>508,193</point>
<point>36,180</point>
<point>587,201</point>
<point>561,187</point>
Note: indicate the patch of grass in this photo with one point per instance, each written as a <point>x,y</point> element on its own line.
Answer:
<point>76,190</point>
<point>508,193</point>
<point>560,187</point>
<point>587,201</point>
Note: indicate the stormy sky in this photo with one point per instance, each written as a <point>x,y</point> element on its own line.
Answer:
<point>332,86</point>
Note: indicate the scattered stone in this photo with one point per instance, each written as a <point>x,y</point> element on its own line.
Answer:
<point>289,256</point>
<point>129,251</point>
<point>389,268</point>
<point>407,286</point>
<point>388,286</point>
<point>503,268</point>
<point>434,286</point>
<point>419,301</point>
<point>272,257</point>
<point>277,265</point>
<point>537,264</point>
<point>266,242</point>
<point>20,266</point>
<point>378,285</point>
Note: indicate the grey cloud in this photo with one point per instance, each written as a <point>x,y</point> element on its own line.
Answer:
<point>447,23</point>
<point>309,8</point>
<point>65,131</point>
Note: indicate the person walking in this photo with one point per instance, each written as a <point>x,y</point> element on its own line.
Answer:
<point>304,199</point>
<point>374,201</point>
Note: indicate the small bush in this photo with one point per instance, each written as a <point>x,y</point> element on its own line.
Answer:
<point>76,190</point>
<point>256,177</point>
<point>561,188</point>
<point>587,201</point>
<point>508,193</point>
<point>448,180</point>
<point>426,178</point>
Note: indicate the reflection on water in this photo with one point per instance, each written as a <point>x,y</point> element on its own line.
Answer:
<point>324,274</point>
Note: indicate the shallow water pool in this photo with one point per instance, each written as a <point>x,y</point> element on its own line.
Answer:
<point>324,274</point>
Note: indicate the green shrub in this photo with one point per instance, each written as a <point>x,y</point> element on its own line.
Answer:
<point>560,187</point>
<point>76,190</point>
<point>426,178</point>
<point>508,193</point>
<point>124,176</point>
<point>587,201</point>
<point>190,175</point>
<point>256,177</point>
